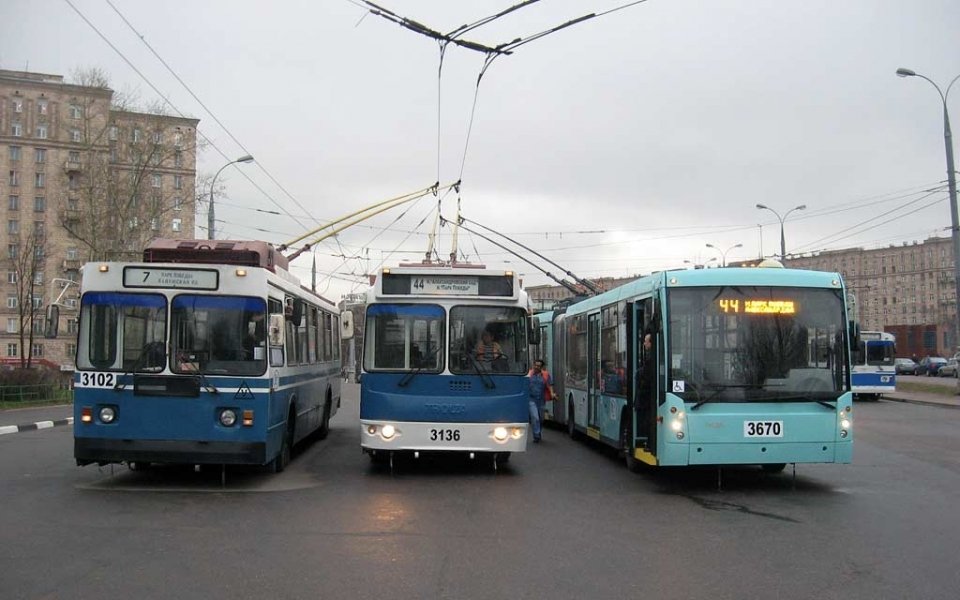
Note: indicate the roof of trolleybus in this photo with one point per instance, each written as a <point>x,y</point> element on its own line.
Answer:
<point>772,277</point>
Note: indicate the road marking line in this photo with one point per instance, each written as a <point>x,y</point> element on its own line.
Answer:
<point>9,429</point>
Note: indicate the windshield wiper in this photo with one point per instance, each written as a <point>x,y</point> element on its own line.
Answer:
<point>141,360</point>
<point>413,373</point>
<point>484,375</point>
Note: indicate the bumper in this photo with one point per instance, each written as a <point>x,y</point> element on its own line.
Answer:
<point>104,451</point>
<point>457,437</point>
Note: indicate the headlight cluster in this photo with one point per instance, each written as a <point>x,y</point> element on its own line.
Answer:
<point>676,421</point>
<point>387,432</point>
<point>105,414</point>
<point>502,434</point>
<point>846,421</point>
<point>228,417</point>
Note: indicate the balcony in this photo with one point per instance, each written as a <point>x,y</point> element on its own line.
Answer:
<point>72,166</point>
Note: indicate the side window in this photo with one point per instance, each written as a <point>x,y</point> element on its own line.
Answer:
<point>611,364</point>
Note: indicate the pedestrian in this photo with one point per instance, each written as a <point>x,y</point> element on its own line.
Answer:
<point>541,390</point>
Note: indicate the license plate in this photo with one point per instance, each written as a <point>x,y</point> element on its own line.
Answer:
<point>755,429</point>
<point>444,435</point>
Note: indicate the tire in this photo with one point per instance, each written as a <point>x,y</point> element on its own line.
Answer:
<point>633,465</point>
<point>282,459</point>
<point>571,426</point>
<point>773,467</point>
<point>502,458</point>
<point>324,429</point>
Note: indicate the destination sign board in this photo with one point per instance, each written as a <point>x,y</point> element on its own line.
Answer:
<point>171,278</point>
<point>444,285</point>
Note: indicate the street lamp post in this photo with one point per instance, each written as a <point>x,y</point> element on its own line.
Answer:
<point>699,265</point>
<point>783,243</point>
<point>723,253</point>
<point>210,213</point>
<point>952,188</point>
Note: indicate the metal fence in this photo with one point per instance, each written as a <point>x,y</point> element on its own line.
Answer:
<point>24,395</point>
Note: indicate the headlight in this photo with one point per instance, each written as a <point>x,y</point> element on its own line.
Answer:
<point>387,431</point>
<point>228,417</point>
<point>500,434</point>
<point>676,425</point>
<point>517,433</point>
<point>372,429</point>
<point>845,423</point>
<point>107,414</point>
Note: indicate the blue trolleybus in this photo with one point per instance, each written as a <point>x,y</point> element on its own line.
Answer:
<point>742,366</point>
<point>445,362</point>
<point>203,353</point>
<point>874,371</point>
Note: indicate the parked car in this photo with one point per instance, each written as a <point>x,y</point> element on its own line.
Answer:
<point>929,365</point>
<point>906,366</point>
<point>949,369</point>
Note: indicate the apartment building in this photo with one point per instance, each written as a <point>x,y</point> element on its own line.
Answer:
<point>909,287</point>
<point>81,179</point>
<point>544,297</point>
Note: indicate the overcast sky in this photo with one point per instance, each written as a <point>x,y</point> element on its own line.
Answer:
<point>618,146</point>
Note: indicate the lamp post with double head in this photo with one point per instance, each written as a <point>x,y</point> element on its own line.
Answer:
<point>723,253</point>
<point>783,243</point>
<point>952,189</point>
<point>210,212</point>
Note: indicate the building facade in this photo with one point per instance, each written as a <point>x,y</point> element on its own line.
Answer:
<point>545,297</point>
<point>907,288</point>
<point>81,179</point>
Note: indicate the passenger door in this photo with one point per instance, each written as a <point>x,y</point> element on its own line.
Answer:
<point>593,369</point>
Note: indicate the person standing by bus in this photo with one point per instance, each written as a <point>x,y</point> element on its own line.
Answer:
<point>541,390</point>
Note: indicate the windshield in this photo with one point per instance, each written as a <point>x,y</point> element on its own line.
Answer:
<point>404,337</point>
<point>879,353</point>
<point>220,335</point>
<point>488,339</point>
<point>756,344</point>
<point>122,332</point>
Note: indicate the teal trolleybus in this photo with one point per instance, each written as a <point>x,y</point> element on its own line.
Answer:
<point>205,352</point>
<point>740,366</point>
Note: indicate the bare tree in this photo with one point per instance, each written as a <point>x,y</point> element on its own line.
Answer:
<point>124,188</point>
<point>26,256</point>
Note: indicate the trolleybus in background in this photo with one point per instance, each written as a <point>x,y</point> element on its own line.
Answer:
<point>745,366</point>
<point>874,368</point>
<point>432,380</point>
<point>203,353</point>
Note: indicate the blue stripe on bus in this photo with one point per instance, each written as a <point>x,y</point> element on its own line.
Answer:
<point>231,302</point>
<point>439,398</point>
<point>874,379</point>
<point>406,310</point>
<point>125,299</point>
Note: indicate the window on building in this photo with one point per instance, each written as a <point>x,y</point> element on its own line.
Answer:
<point>76,136</point>
<point>39,180</point>
<point>157,180</point>
<point>14,153</point>
<point>178,182</point>
<point>42,107</point>
<point>37,351</point>
<point>178,159</point>
<point>136,134</point>
<point>37,301</point>
<point>13,226</point>
<point>157,137</point>
<point>175,224</point>
<point>177,204</point>
<point>71,350</point>
<point>74,156</point>
<point>72,326</point>
<point>73,181</point>
<point>13,250</point>
<point>154,223</point>
<point>13,202</point>
<point>38,252</point>
<point>16,129</point>
<point>18,105</point>
<point>73,204</point>
<point>76,111</point>
<point>38,229</point>
<point>11,276</point>
<point>12,302</point>
<point>12,351</point>
<point>14,178</point>
<point>73,253</point>
<point>113,133</point>
<point>12,325</point>
<point>40,155</point>
<point>42,131</point>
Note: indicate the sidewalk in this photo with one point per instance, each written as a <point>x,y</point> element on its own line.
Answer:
<point>951,401</point>
<point>13,420</point>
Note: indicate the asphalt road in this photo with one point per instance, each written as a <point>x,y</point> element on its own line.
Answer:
<point>565,520</point>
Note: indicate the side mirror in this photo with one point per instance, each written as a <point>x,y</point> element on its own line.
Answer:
<point>854,335</point>
<point>533,331</point>
<point>53,322</point>
<point>275,333</point>
<point>346,325</point>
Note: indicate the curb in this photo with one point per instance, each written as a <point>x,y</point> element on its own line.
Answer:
<point>923,402</point>
<point>5,429</point>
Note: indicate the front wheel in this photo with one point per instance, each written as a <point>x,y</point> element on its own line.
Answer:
<point>324,429</point>
<point>626,444</point>
<point>571,425</point>
<point>282,459</point>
